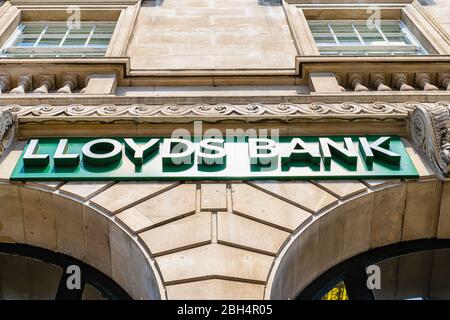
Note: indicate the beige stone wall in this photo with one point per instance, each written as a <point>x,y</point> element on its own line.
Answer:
<point>440,10</point>
<point>228,240</point>
<point>211,34</point>
<point>183,240</point>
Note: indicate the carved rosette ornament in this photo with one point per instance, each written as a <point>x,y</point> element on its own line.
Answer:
<point>7,130</point>
<point>430,135</point>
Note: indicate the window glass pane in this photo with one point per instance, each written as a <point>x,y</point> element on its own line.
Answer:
<point>98,42</point>
<point>365,28</point>
<point>19,55</point>
<point>419,276</point>
<point>338,292</point>
<point>373,40</point>
<point>81,29</point>
<point>74,42</point>
<point>25,42</point>
<point>390,27</point>
<point>102,30</point>
<point>92,293</point>
<point>342,28</point>
<point>56,29</point>
<point>398,40</point>
<point>348,40</point>
<point>356,38</point>
<point>49,42</point>
<point>33,29</point>
<point>319,28</point>
<point>26,278</point>
<point>324,40</point>
<point>57,39</point>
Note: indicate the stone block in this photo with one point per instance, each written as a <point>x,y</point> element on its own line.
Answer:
<point>249,234</point>
<point>263,207</point>
<point>214,260</point>
<point>39,218</point>
<point>213,197</point>
<point>181,234</point>
<point>125,194</point>
<point>174,204</point>
<point>302,194</point>
<point>215,289</point>
<point>387,218</point>
<point>70,227</point>
<point>11,216</point>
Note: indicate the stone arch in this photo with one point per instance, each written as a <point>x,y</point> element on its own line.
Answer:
<point>387,212</point>
<point>236,239</point>
<point>62,220</point>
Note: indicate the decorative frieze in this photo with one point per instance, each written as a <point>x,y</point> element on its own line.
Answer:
<point>207,110</point>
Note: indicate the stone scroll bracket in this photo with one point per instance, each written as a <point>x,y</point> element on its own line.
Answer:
<point>8,128</point>
<point>430,135</point>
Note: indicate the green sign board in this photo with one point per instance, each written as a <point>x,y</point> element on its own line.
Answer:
<point>336,157</point>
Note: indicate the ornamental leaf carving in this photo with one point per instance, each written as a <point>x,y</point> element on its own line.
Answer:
<point>429,127</point>
<point>7,130</point>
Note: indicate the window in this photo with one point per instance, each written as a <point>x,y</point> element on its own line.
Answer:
<point>59,39</point>
<point>415,270</point>
<point>30,273</point>
<point>337,292</point>
<point>358,38</point>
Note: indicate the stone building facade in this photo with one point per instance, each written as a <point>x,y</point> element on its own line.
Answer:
<point>231,64</point>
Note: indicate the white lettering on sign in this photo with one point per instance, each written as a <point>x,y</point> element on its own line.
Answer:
<point>212,151</point>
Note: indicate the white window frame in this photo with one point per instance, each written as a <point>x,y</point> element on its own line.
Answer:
<point>60,50</point>
<point>363,49</point>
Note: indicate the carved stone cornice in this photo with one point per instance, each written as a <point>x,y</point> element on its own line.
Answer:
<point>220,111</point>
<point>7,130</point>
<point>430,134</point>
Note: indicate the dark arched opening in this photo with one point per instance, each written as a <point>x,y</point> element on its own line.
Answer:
<point>33,273</point>
<point>408,270</point>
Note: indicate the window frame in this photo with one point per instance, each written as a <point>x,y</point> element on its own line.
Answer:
<point>353,270</point>
<point>60,50</point>
<point>90,276</point>
<point>415,48</point>
<point>424,28</point>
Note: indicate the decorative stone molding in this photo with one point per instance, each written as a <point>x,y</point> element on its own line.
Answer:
<point>378,81</point>
<point>69,83</point>
<point>444,81</point>
<point>7,130</point>
<point>430,135</point>
<point>47,82</point>
<point>4,83</point>
<point>356,82</point>
<point>423,81</point>
<point>86,82</point>
<point>400,81</point>
<point>225,111</point>
<point>362,81</point>
<point>24,84</point>
<point>340,82</point>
